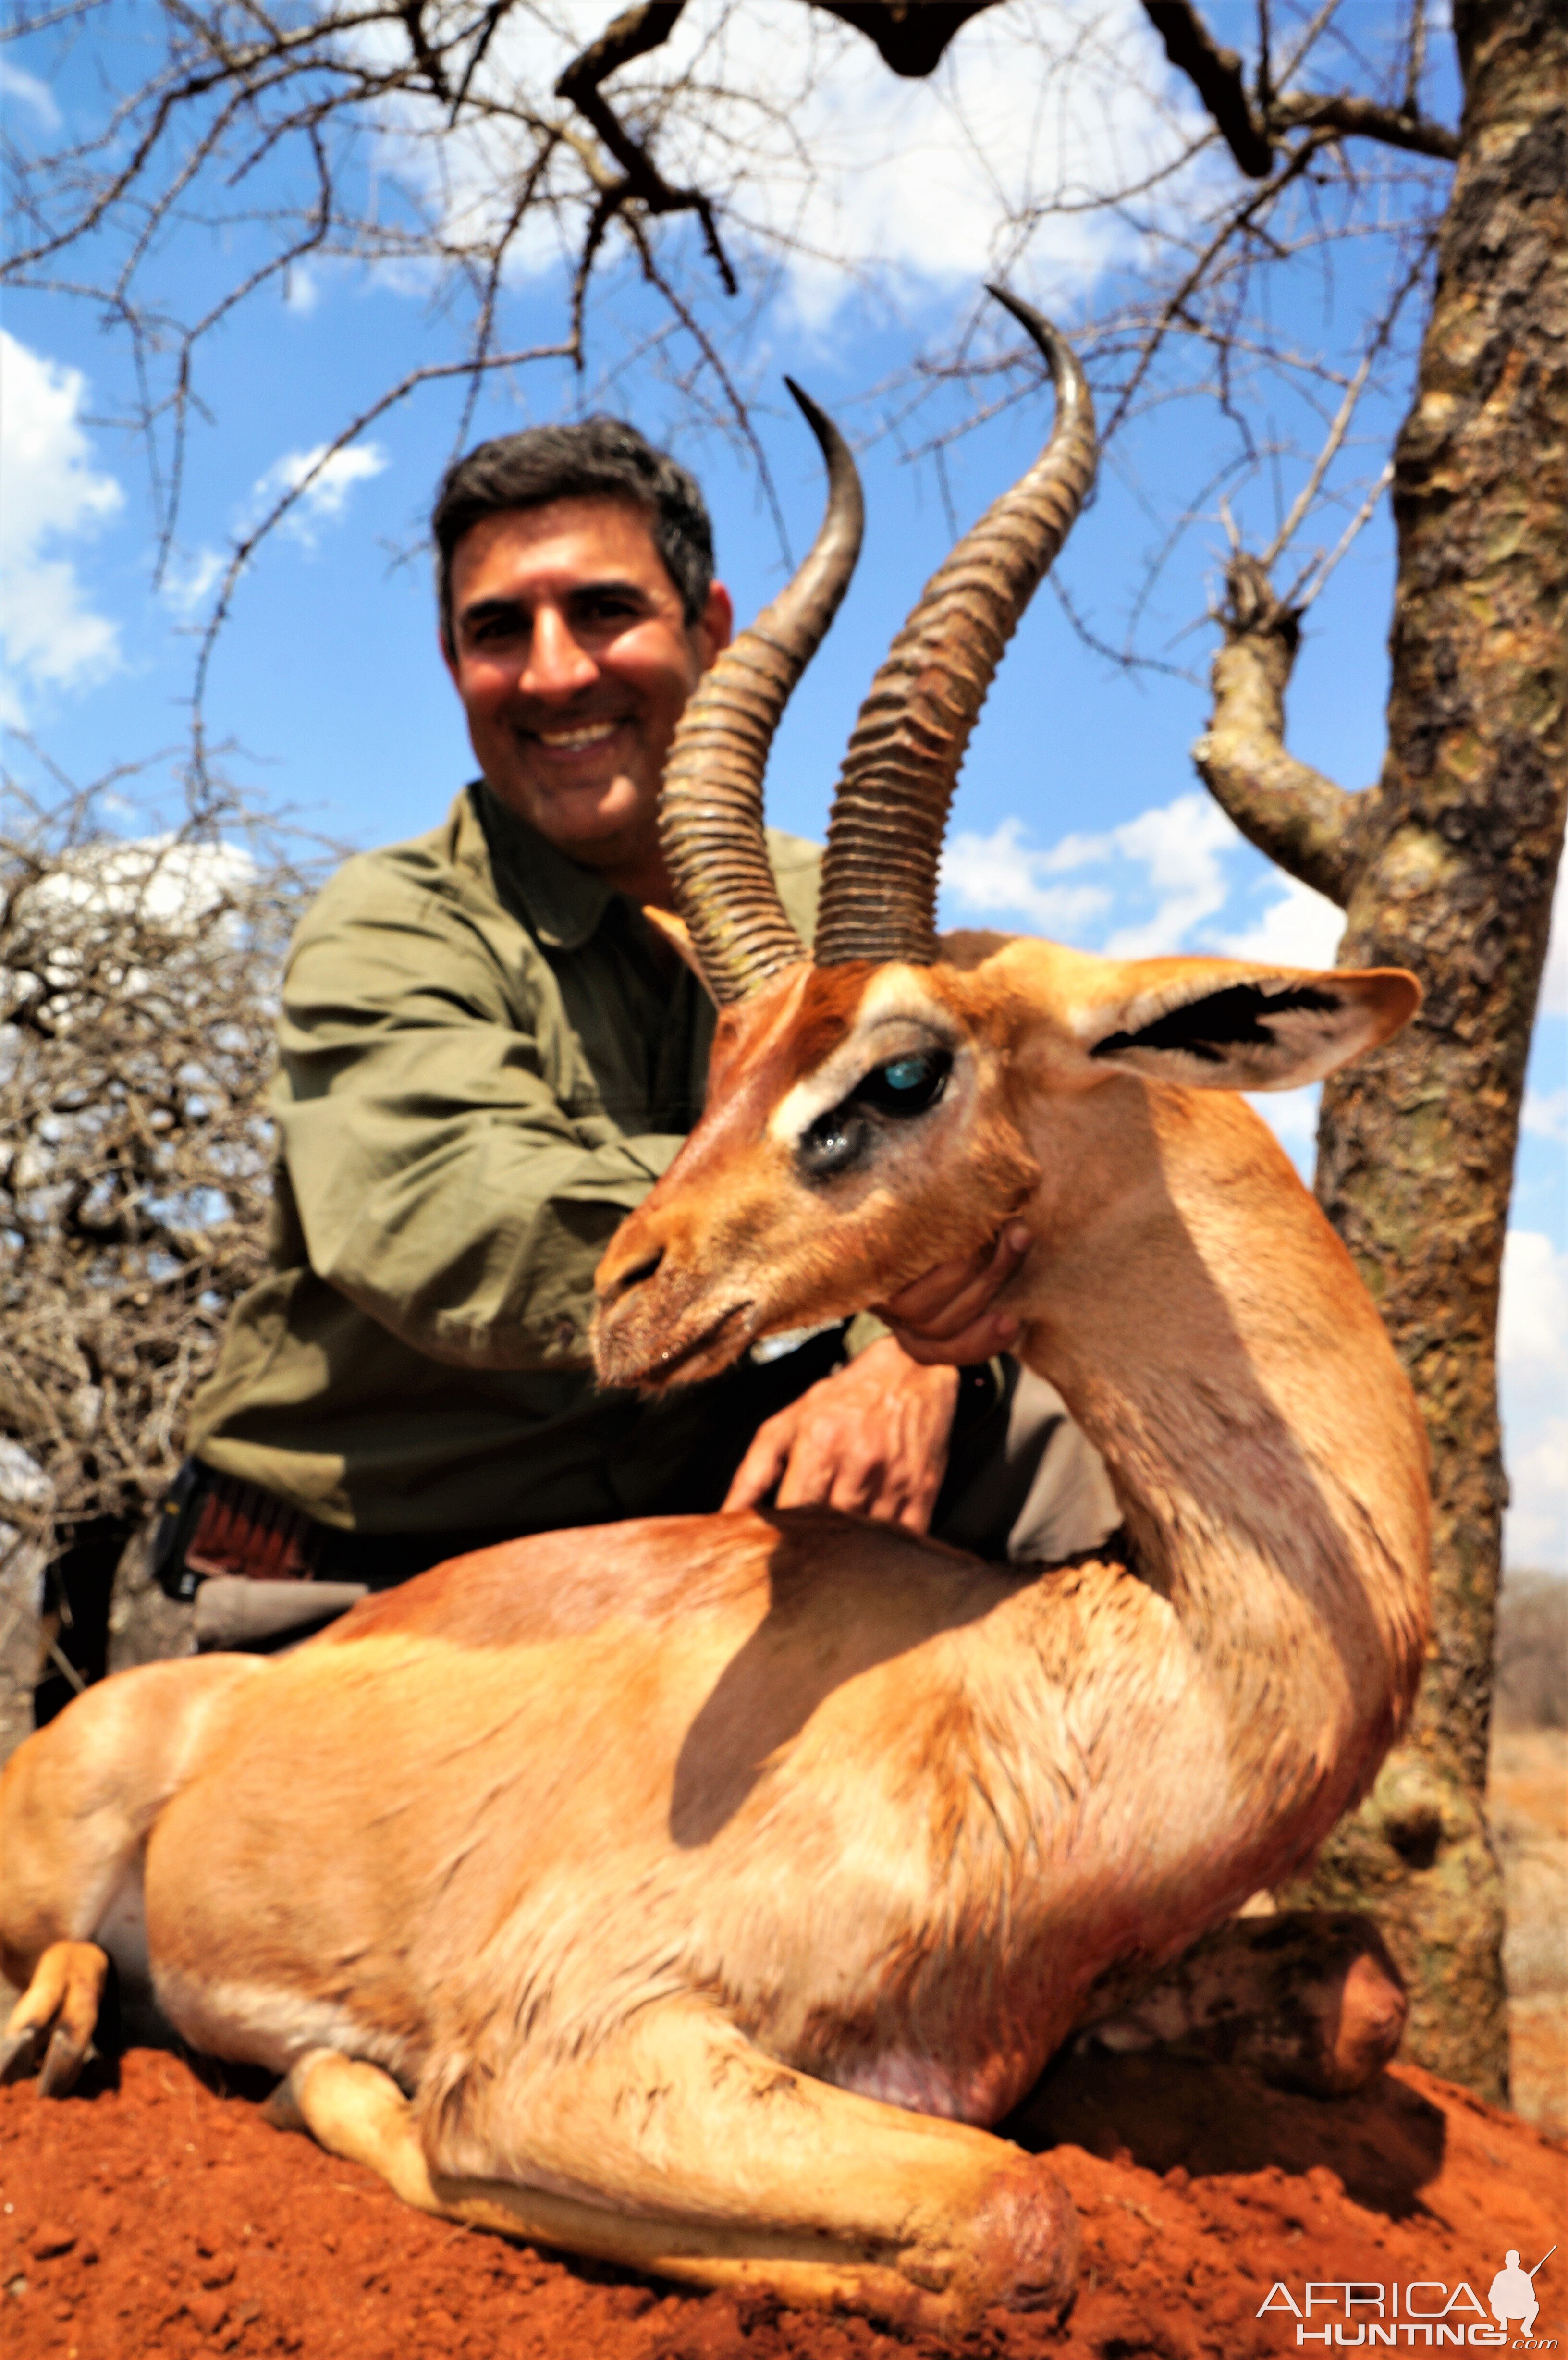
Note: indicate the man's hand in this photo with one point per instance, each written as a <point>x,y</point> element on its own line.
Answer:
<point>872,1438</point>
<point>946,1317</point>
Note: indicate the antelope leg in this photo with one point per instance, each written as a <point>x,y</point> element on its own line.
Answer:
<point>1310,1999</point>
<point>677,2147</point>
<point>64,1994</point>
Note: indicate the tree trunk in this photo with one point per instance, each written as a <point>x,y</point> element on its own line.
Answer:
<point>1446,866</point>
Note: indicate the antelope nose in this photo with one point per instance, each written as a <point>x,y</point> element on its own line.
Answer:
<point>624,1281</point>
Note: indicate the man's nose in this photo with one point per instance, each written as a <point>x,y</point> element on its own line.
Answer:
<point>558,664</point>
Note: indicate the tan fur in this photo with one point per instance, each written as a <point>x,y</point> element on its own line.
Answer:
<point>696,1892</point>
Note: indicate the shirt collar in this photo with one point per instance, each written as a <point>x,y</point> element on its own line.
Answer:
<point>562,904</point>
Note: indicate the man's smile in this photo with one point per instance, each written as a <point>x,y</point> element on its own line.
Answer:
<point>576,739</point>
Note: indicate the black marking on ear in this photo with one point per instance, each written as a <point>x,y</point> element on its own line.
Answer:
<point>1205,1028</point>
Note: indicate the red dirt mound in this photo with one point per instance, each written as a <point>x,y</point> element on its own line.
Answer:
<point>149,2217</point>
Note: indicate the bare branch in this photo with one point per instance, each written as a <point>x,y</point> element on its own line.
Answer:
<point>333,126</point>
<point>1291,811</point>
<point>1415,58</point>
<point>1216,76</point>
<point>1362,118</point>
<point>244,548</point>
<point>1301,505</point>
<point>632,35</point>
<point>136,981</point>
<point>1311,580</point>
<point>911,40</point>
<point>412,12</point>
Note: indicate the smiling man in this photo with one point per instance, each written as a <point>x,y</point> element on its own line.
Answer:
<point>487,1058</point>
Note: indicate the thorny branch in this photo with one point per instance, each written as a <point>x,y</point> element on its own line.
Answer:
<point>632,36</point>
<point>687,153</point>
<point>138,975</point>
<point>1250,126</point>
<point>1299,819</point>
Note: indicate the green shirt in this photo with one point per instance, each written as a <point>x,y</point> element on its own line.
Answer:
<point>484,1069</point>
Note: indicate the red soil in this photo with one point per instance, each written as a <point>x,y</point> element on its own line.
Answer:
<point>149,2217</point>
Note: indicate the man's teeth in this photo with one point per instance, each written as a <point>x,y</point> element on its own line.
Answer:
<point>592,732</point>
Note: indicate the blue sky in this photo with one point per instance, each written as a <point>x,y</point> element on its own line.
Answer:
<point>1079,814</point>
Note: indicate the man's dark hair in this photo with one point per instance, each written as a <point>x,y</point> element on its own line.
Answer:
<point>604,458</point>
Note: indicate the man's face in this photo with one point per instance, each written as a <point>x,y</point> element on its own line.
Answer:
<point>573,661</point>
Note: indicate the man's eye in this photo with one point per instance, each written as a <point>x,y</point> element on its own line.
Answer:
<point>906,1085</point>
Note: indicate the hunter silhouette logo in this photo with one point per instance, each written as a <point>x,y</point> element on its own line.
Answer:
<point>1345,2312</point>
<point>1512,2294</point>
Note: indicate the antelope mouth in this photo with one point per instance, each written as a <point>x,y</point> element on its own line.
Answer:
<point>624,1358</point>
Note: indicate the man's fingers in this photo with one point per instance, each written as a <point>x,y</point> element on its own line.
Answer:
<point>948,1298</point>
<point>823,1473</point>
<point>764,1462</point>
<point>870,1440</point>
<point>916,1304</point>
<point>994,1331</point>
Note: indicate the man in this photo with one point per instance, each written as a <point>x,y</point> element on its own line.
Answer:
<point>487,1057</point>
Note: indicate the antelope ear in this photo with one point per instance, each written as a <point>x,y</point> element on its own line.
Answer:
<point>677,933</point>
<point>1217,1025</point>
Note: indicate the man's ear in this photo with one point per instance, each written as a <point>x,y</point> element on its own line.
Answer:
<point>1219,1025</point>
<point>676,933</point>
<point>715,627</point>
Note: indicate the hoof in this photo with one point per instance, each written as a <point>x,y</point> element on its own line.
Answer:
<point>18,2053</point>
<point>1025,2240</point>
<point>63,2060</point>
<point>282,2108</point>
<point>61,2002</point>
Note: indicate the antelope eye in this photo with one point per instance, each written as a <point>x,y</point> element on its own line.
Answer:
<point>843,1137</point>
<point>907,1086</point>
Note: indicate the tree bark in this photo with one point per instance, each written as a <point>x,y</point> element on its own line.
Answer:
<point>1447,866</point>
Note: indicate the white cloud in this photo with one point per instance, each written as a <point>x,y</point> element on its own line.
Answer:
<point>188,580</point>
<point>1533,1366</point>
<point>325,497</point>
<point>1546,1113</point>
<point>1180,847</point>
<point>1299,928</point>
<point>1162,873</point>
<point>1167,876</point>
<point>998,872</point>
<point>302,290</point>
<point>49,491</point>
<point>830,162</point>
<point>19,88</point>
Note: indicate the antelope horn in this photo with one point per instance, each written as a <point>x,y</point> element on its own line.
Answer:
<point>890,807</point>
<point>711,808</point>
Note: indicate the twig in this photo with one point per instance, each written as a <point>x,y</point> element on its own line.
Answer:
<point>1341,426</point>
<point>632,35</point>
<point>1305,587</point>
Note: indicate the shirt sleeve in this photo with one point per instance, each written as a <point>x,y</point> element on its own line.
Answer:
<point>439,1183</point>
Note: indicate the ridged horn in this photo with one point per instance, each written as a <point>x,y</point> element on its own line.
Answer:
<point>890,807</point>
<point>711,808</point>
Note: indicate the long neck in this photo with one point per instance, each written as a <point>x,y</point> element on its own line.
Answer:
<point>1210,1334</point>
